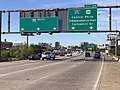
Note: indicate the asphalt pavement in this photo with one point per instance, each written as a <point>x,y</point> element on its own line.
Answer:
<point>68,73</point>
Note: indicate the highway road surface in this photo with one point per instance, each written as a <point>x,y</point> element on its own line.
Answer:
<point>72,73</point>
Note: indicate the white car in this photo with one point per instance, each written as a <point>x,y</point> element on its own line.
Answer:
<point>69,54</point>
<point>48,55</point>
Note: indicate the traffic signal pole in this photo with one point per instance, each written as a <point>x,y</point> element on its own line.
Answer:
<point>0,30</point>
<point>110,23</point>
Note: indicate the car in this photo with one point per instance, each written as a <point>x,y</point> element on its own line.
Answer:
<point>87,54</point>
<point>69,54</point>
<point>3,59</point>
<point>81,51</point>
<point>97,55</point>
<point>48,55</point>
<point>34,57</point>
<point>61,54</point>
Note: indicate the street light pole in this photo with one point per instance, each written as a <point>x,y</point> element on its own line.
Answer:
<point>116,24</point>
<point>27,40</point>
<point>116,40</point>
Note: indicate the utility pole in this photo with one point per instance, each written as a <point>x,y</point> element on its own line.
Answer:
<point>116,51</point>
<point>116,40</point>
<point>27,40</point>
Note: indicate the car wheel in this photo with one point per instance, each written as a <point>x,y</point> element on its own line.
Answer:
<point>29,59</point>
<point>53,58</point>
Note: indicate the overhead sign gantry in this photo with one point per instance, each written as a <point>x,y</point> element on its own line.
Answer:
<point>62,15</point>
<point>71,19</point>
<point>61,24</point>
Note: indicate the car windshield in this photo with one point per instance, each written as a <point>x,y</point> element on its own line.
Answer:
<point>52,53</point>
<point>32,54</point>
<point>47,53</point>
<point>97,52</point>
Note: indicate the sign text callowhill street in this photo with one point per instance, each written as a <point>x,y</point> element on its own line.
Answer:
<point>82,19</point>
<point>46,24</point>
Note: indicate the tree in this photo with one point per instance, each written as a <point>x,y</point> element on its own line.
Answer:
<point>22,52</point>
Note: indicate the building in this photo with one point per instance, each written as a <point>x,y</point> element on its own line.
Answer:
<point>73,48</point>
<point>103,46</point>
<point>17,44</point>
<point>46,45</point>
<point>84,45</point>
<point>6,45</point>
<point>57,45</point>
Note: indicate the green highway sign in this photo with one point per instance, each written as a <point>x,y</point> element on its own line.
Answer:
<point>90,6</point>
<point>82,19</point>
<point>46,24</point>
<point>91,46</point>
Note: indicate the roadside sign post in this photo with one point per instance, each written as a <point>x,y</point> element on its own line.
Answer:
<point>91,46</point>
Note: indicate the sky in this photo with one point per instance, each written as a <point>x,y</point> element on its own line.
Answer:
<point>65,39</point>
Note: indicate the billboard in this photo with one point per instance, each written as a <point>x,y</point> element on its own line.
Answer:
<point>112,36</point>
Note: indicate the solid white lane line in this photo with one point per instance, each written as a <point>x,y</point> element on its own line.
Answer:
<point>97,81</point>
<point>24,70</point>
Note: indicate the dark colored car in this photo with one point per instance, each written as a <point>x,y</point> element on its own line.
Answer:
<point>34,57</point>
<point>87,54</point>
<point>3,59</point>
<point>97,55</point>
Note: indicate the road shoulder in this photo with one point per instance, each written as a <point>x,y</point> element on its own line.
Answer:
<point>110,78</point>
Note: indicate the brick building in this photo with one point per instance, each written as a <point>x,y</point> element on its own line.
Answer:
<point>6,45</point>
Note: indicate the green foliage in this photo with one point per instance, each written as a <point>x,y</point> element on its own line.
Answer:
<point>118,48</point>
<point>112,52</point>
<point>22,52</point>
<point>5,53</point>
